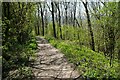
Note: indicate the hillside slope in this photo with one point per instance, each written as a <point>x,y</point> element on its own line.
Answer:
<point>90,63</point>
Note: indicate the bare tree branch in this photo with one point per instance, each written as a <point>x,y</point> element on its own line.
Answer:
<point>49,7</point>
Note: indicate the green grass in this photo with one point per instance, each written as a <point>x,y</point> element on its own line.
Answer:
<point>90,64</point>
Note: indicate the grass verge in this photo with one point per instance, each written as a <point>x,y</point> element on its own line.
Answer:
<point>91,64</point>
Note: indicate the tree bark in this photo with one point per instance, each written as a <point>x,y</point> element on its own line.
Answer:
<point>92,44</point>
<point>38,21</point>
<point>74,14</point>
<point>66,7</point>
<point>57,5</point>
<point>46,21</point>
<point>42,19</point>
<point>35,24</point>
<point>54,29</point>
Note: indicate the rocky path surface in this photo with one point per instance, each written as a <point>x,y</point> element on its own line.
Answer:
<point>51,64</point>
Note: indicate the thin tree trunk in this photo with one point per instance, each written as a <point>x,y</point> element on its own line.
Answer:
<point>53,20</point>
<point>46,21</point>
<point>60,24</point>
<point>35,25</point>
<point>92,44</point>
<point>66,15</point>
<point>74,14</point>
<point>42,19</point>
<point>57,5</point>
<point>38,22</point>
<point>112,43</point>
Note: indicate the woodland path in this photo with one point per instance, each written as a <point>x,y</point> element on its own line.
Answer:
<point>51,64</point>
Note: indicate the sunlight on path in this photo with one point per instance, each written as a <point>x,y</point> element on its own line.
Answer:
<point>51,64</point>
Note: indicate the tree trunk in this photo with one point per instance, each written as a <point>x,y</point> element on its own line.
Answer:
<point>92,44</point>
<point>74,14</point>
<point>54,30</point>
<point>112,43</point>
<point>38,22</point>
<point>35,24</point>
<point>59,19</point>
<point>42,19</point>
<point>60,23</point>
<point>46,21</point>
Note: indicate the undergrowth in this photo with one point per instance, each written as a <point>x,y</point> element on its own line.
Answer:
<point>17,59</point>
<point>90,64</point>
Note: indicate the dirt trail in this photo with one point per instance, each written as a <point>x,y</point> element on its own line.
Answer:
<point>51,64</point>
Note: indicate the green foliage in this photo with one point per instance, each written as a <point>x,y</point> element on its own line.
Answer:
<point>19,58</point>
<point>21,73</point>
<point>33,44</point>
<point>18,41</point>
<point>91,64</point>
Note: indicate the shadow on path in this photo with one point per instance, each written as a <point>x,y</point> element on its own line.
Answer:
<point>51,64</point>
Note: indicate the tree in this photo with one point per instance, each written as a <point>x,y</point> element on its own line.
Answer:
<point>74,15</point>
<point>17,25</point>
<point>57,5</point>
<point>38,22</point>
<point>42,15</point>
<point>52,12</point>
<point>92,44</point>
<point>66,4</point>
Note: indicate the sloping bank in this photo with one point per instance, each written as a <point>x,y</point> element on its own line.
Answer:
<point>91,64</point>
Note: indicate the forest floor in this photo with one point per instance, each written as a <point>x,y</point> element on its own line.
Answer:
<point>52,64</point>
